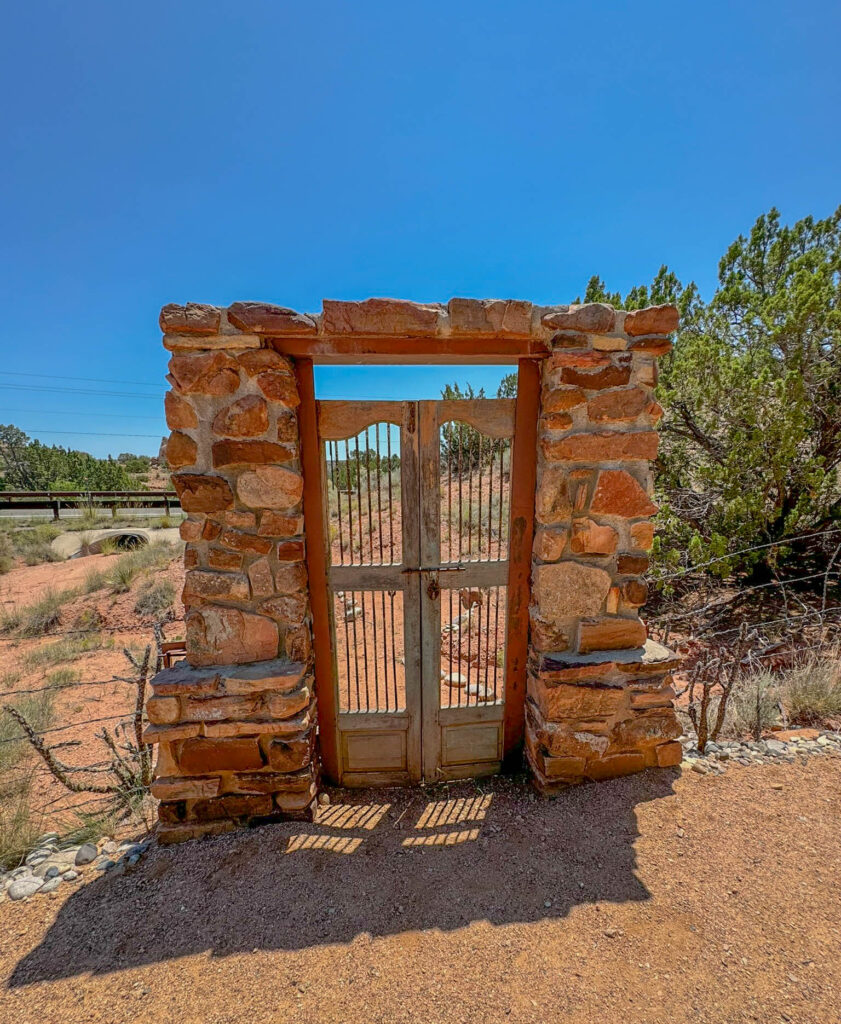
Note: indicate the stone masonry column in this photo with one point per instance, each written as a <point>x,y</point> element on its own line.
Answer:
<point>235,724</point>
<point>599,699</point>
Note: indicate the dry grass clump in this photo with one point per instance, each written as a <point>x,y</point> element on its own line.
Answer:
<point>808,694</point>
<point>812,692</point>
<point>129,566</point>
<point>38,618</point>
<point>154,598</point>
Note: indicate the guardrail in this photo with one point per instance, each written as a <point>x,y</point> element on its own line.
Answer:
<point>114,500</point>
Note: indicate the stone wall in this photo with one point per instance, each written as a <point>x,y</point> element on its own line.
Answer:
<point>599,700</point>
<point>236,725</point>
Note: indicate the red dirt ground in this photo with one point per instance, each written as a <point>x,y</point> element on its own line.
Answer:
<point>655,899</point>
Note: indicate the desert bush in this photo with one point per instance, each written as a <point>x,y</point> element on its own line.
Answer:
<point>754,705</point>
<point>123,573</point>
<point>811,693</point>
<point>34,545</point>
<point>38,618</point>
<point>761,464</point>
<point>155,598</point>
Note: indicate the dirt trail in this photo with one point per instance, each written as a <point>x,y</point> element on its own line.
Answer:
<point>646,900</point>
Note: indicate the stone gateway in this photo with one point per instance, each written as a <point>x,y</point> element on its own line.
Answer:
<point>248,724</point>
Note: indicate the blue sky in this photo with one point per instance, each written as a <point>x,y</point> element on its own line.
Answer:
<point>180,151</point>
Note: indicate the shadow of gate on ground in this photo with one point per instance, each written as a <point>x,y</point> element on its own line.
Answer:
<point>373,864</point>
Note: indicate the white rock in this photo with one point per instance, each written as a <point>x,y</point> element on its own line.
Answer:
<point>51,884</point>
<point>23,887</point>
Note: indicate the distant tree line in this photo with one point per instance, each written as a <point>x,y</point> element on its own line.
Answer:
<point>27,465</point>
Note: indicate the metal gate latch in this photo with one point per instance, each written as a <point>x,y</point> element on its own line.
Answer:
<point>433,590</point>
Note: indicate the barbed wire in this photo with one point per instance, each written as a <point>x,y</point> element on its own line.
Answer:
<point>82,632</point>
<point>672,616</point>
<point>72,725</point>
<point>67,686</point>
<point>746,551</point>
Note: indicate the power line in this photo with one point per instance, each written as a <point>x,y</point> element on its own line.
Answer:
<point>89,380</point>
<point>75,412</point>
<point>78,391</point>
<point>87,433</point>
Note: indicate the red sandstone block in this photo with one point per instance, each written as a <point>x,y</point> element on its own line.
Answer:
<point>602,447</point>
<point>265,318</point>
<point>200,756</point>
<point>669,754</point>
<point>654,320</point>
<point>615,766</point>
<point>610,634</point>
<point>180,415</point>
<point>200,493</point>
<point>193,318</point>
<point>246,417</point>
<point>182,833</point>
<point>382,316</point>
<point>204,373</point>
<point>593,317</point>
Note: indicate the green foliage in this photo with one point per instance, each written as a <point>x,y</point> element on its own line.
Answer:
<point>462,447</point>
<point>751,439</point>
<point>32,466</point>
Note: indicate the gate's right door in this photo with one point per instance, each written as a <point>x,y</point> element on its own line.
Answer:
<point>465,488</point>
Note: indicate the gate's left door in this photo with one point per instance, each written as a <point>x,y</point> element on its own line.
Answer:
<point>370,479</point>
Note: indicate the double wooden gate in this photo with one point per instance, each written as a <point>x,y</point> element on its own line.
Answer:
<point>417,526</point>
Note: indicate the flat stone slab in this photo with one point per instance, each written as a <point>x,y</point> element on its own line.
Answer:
<point>650,655</point>
<point>185,680</point>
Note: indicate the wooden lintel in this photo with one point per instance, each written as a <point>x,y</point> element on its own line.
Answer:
<point>390,349</point>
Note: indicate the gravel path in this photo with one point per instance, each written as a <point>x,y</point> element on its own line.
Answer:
<point>657,898</point>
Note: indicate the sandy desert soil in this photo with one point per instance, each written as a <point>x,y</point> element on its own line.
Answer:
<point>651,899</point>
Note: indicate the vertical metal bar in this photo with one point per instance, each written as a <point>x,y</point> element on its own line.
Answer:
<point>356,646</point>
<point>502,553</point>
<point>491,500</point>
<point>365,653</point>
<point>496,643</point>
<point>359,502</point>
<point>337,480</point>
<point>370,510</point>
<point>469,495</point>
<point>479,524</point>
<point>390,500</point>
<point>347,648</point>
<point>450,508</point>
<point>460,514</point>
<point>391,595</point>
<point>450,672</point>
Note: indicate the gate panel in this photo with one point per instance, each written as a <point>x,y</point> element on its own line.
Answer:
<point>465,509</point>
<point>370,470</point>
